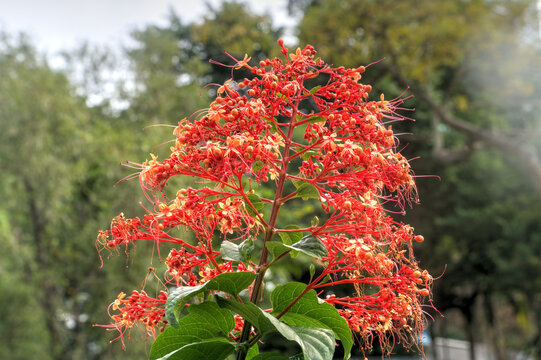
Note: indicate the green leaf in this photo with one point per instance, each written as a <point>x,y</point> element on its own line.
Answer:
<point>316,343</point>
<point>218,349</point>
<point>230,251</point>
<point>306,155</point>
<point>176,300</point>
<point>282,96</point>
<point>205,322</point>
<point>290,237</point>
<point>312,271</point>
<point>316,119</point>
<point>246,248</point>
<point>285,238</point>
<point>234,252</point>
<point>252,352</point>
<point>256,202</point>
<point>249,311</point>
<point>311,311</point>
<point>314,89</point>
<point>276,248</point>
<point>307,191</point>
<point>232,283</point>
<point>270,356</point>
<point>310,245</point>
<point>257,165</point>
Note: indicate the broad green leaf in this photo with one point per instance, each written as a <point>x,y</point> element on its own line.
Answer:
<point>249,311</point>
<point>232,283</point>
<point>217,349</point>
<point>177,299</point>
<point>291,237</point>
<point>307,191</point>
<point>316,119</point>
<point>310,311</point>
<point>252,352</point>
<point>316,343</point>
<point>310,245</point>
<point>230,251</point>
<point>270,356</point>
<point>276,248</point>
<point>256,202</point>
<point>204,322</point>
<point>246,248</point>
<point>286,239</point>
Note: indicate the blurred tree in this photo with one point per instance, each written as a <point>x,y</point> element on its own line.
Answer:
<point>57,189</point>
<point>483,228</point>
<point>39,119</point>
<point>59,143</point>
<point>234,29</point>
<point>167,74</point>
<point>431,47</point>
<point>171,63</point>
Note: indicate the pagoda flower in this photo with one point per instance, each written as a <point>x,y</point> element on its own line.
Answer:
<point>296,130</point>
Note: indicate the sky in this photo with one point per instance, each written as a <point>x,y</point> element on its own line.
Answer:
<point>63,25</point>
<point>56,25</point>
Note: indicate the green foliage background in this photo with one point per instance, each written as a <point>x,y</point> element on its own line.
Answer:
<point>479,61</point>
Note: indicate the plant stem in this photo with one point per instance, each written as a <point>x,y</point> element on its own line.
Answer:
<point>258,282</point>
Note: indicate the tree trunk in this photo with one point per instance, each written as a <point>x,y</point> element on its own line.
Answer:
<point>47,297</point>
<point>468,315</point>
<point>492,329</point>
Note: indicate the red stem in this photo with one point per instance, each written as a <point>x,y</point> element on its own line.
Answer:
<point>254,297</point>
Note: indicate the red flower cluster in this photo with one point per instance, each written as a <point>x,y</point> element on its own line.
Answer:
<point>139,307</point>
<point>346,154</point>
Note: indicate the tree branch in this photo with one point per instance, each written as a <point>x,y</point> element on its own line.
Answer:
<point>527,156</point>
